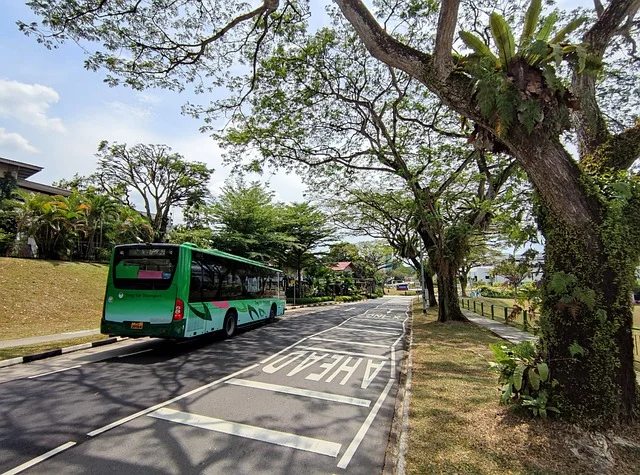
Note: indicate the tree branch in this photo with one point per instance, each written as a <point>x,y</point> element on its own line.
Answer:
<point>444,37</point>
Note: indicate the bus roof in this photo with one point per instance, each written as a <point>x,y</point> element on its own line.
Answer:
<point>214,252</point>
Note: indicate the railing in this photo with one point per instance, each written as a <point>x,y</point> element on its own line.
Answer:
<point>524,319</point>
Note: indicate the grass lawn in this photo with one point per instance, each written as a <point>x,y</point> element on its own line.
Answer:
<point>43,297</point>
<point>457,426</point>
<point>7,353</point>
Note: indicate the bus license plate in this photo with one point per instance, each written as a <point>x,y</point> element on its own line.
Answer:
<point>136,325</point>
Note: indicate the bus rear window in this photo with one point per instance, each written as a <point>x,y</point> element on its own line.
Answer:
<point>145,268</point>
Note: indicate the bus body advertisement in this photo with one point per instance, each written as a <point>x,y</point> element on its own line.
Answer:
<point>182,291</point>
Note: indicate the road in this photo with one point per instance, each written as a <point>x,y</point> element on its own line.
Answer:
<point>313,392</point>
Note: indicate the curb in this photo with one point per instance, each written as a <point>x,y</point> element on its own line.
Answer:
<point>57,352</point>
<point>394,460</point>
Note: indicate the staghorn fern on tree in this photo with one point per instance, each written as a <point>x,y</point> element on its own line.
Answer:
<point>518,81</point>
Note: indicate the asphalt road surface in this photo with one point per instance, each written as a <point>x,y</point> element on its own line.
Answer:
<point>313,392</point>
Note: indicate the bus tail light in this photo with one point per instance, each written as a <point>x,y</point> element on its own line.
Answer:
<point>178,311</point>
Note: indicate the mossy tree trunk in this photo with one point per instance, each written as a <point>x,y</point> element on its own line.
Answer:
<point>587,319</point>
<point>448,303</point>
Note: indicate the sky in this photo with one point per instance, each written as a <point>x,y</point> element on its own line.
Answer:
<point>53,112</point>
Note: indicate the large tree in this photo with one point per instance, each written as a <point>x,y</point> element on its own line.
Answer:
<point>309,228</point>
<point>245,221</point>
<point>153,174</point>
<point>588,207</point>
<point>383,214</point>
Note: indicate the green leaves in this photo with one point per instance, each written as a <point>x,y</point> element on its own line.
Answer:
<point>524,377</point>
<point>530,22</point>
<point>503,38</point>
<point>477,45</point>
<point>576,350</point>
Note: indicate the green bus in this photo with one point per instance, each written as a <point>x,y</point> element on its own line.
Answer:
<point>182,291</point>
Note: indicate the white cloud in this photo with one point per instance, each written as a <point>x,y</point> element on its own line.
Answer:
<point>12,142</point>
<point>29,103</point>
<point>129,110</point>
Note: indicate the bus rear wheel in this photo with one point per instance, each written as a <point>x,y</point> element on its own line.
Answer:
<point>272,313</point>
<point>230,324</point>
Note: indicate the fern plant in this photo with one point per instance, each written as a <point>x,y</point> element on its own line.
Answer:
<point>514,83</point>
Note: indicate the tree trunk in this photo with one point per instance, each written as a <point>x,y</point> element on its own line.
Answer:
<point>463,285</point>
<point>428,280</point>
<point>592,309</point>
<point>431,291</point>
<point>448,305</point>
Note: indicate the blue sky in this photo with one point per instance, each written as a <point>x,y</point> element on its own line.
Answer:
<point>53,113</point>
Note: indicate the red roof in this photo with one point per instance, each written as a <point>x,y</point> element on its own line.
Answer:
<point>341,266</point>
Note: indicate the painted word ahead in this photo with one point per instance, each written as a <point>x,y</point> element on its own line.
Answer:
<point>326,367</point>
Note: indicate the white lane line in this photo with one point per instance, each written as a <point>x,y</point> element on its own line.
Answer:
<point>341,352</point>
<point>355,443</point>
<point>124,420</point>
<point>381,327</point>
<point>266,360</point>
<point>354,401</point>
<point>362,330</point>
<point>360,343</point>
<point>136,353</point>
<point>285,439</point>
<point>39,459</point>
<point>52,372</point>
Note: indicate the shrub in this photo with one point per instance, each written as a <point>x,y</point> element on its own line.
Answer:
<point>524,377</point>
<point>308,300</point>
<point>493,291</point>
<point>349,298</point>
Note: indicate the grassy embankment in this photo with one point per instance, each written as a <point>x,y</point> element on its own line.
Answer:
<point>456,424</point>
<point>46,297</point>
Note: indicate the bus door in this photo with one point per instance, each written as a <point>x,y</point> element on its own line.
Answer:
<point>143,291</point>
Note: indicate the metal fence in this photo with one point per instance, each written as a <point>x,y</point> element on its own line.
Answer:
<point>524,319</point>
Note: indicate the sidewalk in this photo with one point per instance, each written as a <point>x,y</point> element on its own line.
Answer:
<point>511,334</point>
<point>47,338</point>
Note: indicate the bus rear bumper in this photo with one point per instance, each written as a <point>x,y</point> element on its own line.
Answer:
<point>162,330</point>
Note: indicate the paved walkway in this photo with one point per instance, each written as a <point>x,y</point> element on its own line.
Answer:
<point>47,338</point>
<point>511,334</point>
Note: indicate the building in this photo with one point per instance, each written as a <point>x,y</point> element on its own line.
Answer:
<point>344,267</point>
<point>22,171</point>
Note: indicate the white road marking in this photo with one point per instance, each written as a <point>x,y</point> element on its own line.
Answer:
<point>52,372</point>
<point>362,330</point>
<point>340,352</point>
<point>300,392</point>
<point>39,459</point>
<point>371,325</point>
<point>136,353</point>
<point>301,340</point>
<point>355,443</point>
<point>285,439</point>
<point>124,420</point>
<point>359,343</point>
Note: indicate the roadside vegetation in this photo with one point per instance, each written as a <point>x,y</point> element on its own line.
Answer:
<point>44,297</point>
<point>456,424</point>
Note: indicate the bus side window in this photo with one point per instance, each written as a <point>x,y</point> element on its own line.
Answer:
<point>195,285</point>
